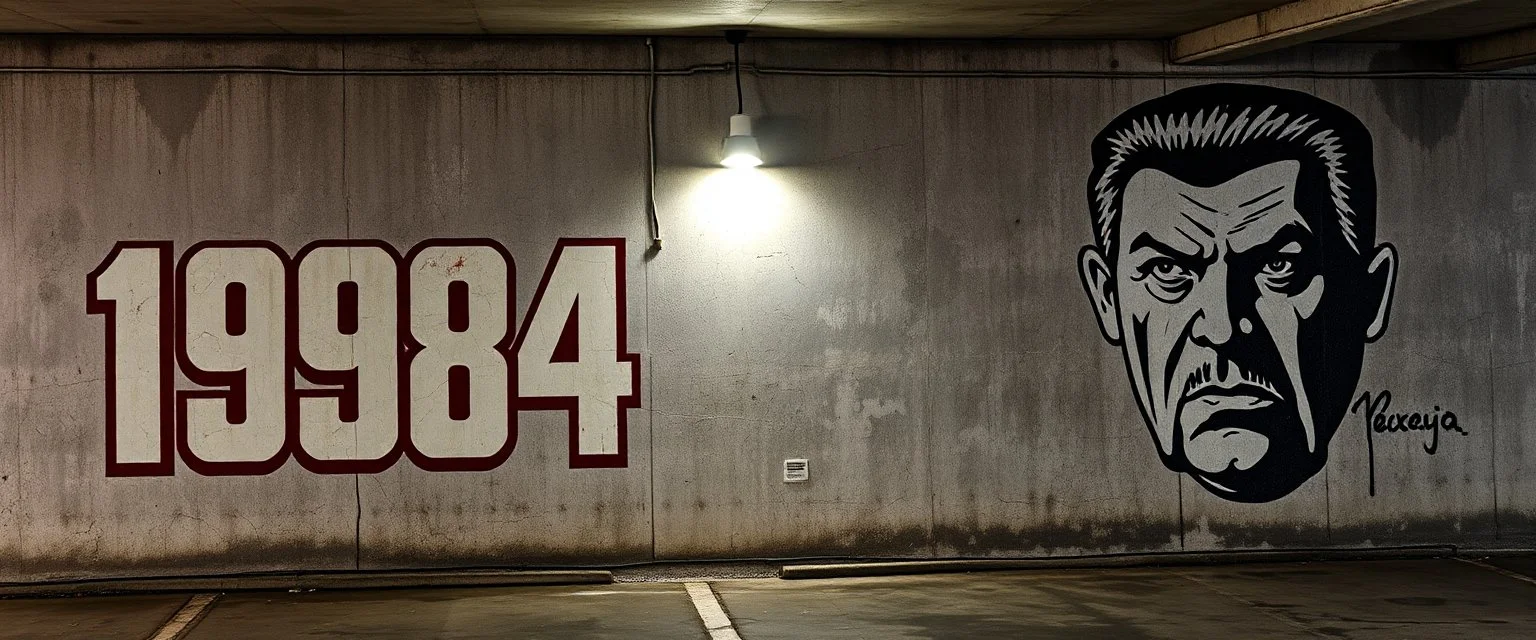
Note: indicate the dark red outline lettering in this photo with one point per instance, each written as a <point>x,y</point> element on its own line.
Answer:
<point>571,404</point>
<point>503,346</point>
<point>233,392</point>
<point>166,465</point>
<point>344,384</point>
<point>230,385</point>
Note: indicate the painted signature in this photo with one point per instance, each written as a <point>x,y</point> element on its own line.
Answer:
<point>1378,419</point>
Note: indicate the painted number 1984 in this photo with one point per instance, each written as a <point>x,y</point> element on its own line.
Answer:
<point>347,355</point>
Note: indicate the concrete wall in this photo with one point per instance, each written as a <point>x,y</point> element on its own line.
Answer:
<point>896,298</point>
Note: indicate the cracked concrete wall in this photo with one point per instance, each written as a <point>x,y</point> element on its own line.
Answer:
<point>895,298</point>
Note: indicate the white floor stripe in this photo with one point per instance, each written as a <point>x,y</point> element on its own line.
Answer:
<point>177,627</point>
<point>715,620</point>
<point>1499,570</point>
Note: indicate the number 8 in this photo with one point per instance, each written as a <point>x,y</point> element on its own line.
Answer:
<point>461,377</point>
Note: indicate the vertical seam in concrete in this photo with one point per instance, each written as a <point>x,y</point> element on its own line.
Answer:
<point>458,118</point>
<point>1493,411</point>
<point>922,128</point>
<point>1327,477</point>
<point>1179,478</point>
<point>16,379</point>
<point>346,218</point>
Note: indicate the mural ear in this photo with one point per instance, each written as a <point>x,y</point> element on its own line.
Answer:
<point>1382,276</point>
<point>1098,282</point>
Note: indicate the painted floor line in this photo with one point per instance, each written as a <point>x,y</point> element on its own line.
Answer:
<point>186,617</point>
<point>1499,570</point>
<point>715,620</point>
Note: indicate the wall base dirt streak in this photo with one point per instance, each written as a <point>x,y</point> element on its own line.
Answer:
<point>895,296</point>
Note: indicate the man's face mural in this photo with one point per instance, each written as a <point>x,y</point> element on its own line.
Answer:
<point>1234,263</point>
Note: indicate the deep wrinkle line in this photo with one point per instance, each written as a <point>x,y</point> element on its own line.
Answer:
<point>1208,231</point>
<point>1196,203</point>
<point>1265,195</point>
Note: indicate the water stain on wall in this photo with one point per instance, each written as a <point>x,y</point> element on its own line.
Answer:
<point>174,102</point>
<point>1427,111</point>
<point>35,337</point>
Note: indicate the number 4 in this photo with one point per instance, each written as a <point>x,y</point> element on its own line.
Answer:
<point>571,353</point>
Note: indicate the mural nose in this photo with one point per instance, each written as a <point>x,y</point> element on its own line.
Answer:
<point>1213,320</point>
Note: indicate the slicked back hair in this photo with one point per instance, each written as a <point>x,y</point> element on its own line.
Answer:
<point>1209,134</point>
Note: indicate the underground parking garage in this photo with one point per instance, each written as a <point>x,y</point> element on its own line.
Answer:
<point>362,291</point>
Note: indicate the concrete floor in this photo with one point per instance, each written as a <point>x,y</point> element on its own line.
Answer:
<point>1372,599</point>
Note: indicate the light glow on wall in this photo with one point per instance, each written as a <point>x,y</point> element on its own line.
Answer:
<point>738,205</point>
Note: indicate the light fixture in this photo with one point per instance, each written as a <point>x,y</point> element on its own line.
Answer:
<point>740,149</point>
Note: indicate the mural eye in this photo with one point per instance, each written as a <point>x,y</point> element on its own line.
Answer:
<point>1168,272</point>
<point>1279,268</point>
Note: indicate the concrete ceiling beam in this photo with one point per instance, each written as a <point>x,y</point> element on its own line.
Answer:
<point>1498,51</point>
<point>1292,24</point>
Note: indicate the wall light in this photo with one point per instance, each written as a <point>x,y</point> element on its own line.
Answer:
<point>740,150</point>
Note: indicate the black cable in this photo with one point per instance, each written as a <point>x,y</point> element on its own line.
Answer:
<point>293,71</point>
<point>736,51</point>
<point>650,138</point>
<point>1213,74</point>
<point>1201,74</point>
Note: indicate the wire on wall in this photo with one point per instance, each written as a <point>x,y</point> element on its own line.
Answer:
<point>650,141</point>
<point>736,37</point>
<point>791,71</point>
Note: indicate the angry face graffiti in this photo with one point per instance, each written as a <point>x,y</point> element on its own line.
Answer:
<point>1234,262</point>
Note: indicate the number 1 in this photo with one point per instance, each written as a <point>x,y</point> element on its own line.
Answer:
<point>132,289</point>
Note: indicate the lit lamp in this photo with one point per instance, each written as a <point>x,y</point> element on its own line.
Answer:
<point>740,150</point>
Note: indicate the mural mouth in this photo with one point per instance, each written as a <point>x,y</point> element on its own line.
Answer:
<point>1202,384</point>
<point>1215,394</point>
<point>1200,406</point>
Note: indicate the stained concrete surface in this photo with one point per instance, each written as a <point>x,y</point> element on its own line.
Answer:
<point>104,618</point>
<point>895,298</point>
<point>661,611</point>
<point>1441,598</point>
<point>1376,599</point>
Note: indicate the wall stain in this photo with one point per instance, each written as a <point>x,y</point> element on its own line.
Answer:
<point>241,554</point>
<point>174,102</point>
<point>34,337</point>
<point>1427,111</point>
<point>414,556</point>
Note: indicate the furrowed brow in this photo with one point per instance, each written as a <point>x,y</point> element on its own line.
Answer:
<point>1293,231</point>
<point>1252,216</point>
<point>1196,202</point>
<point>1146,241</point>
<point>1266,195</point>
<point>1208,231</point>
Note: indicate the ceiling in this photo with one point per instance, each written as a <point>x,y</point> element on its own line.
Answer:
<point>1465,21</point>
<point>1133,19</point>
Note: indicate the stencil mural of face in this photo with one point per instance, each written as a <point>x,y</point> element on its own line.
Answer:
<point>1234,263</point>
